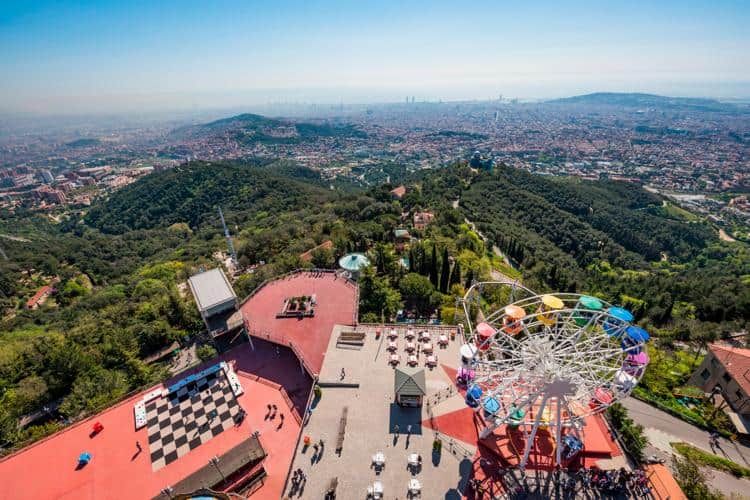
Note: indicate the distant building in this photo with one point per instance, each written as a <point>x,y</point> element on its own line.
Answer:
<point>39,297</point>
<point>402,238</point>
<point>422,220</point>
<point>215,299</point>
<point>725,371</point>
<point>46,176</point>
<point>398,192</point>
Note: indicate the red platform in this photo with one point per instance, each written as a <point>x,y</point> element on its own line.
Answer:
<point>336,304</point>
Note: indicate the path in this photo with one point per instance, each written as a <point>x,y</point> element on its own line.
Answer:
<point>723,236</point>
<point>14,238</point>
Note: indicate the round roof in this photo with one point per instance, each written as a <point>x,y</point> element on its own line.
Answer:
<point>354,261</point>
<point>515,312</point>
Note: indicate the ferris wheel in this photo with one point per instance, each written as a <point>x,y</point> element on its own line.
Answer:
<point>542,364</point>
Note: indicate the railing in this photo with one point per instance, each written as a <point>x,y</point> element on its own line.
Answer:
<point>301,430</point>
<point>301,271</point>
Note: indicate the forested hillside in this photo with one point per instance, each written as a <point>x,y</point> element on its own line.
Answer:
<point>117,270</point>
<point>190,192</point>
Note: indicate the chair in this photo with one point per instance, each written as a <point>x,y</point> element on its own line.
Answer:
<point>377,489</point>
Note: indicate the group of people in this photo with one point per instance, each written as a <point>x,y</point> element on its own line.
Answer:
<point>614,482</point>
<point>299,478</point>
<point>273,410</point>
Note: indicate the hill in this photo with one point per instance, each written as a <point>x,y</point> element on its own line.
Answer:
<point>646,101</point>
<point>191,192</point>
<point>250,128</point>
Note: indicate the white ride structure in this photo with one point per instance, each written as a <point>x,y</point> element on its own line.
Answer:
<point>546,362</point>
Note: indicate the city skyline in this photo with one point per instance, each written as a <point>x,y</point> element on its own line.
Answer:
<point>115,56</point>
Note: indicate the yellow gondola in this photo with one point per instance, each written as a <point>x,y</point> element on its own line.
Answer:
<point>546,313</point>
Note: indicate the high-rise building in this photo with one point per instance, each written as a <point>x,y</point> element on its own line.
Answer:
<point>46,176</point>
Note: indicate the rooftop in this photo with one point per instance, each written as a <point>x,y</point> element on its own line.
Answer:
<point>117,471</point>
<point>736,362</point>
<point>211,288</point>
<point>336,303</point>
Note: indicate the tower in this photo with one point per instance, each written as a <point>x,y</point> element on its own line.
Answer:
<point>232,253</point>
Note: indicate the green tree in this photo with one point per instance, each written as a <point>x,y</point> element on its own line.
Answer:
<point>93,389</point>
<point>445,272</point>
<point>434,266</point>
<point>206,352</point>
<point>456,275</point>
<point>692,481</point>
<point>376,295</point>
<point>417,291</point>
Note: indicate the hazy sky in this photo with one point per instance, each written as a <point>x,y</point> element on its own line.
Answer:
<point>60,56</point>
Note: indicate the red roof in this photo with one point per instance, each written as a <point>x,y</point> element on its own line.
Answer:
<point>47,469</point>
<point>307,256</point>
<point>336,303</point>
<point>399,192</point>
<point>736,362</point>
<point>42,292</point>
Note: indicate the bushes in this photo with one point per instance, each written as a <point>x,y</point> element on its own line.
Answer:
<point>701,457</point>
<point>206,352</point>
<point>630,432</point>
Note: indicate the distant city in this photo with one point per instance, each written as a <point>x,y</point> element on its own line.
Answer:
<point>696,151</point>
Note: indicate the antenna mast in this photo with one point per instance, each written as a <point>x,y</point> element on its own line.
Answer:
<point>232,253</point>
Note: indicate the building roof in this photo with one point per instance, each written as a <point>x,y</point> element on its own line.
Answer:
<point>736,362</point>
<point>336,303</point>
<point>210,288</point>
<point>409,382</point>
<point>663,482</point>
<point>399,192</point>
<point>39,295</point>
<point>116,472</point>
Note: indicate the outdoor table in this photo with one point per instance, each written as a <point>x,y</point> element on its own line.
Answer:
<point>409,334</point>
<point>431,360</point>
<point>414,459</point>
<point>443,339</point>
<point>392,346</point>
<point>414,486</point>
<point>393,333</point>
<point>377,488</point>
<point>427,347</point>
<point>394,359</point>
<point>410,346</point>
<point>412,360</point>
<point>426,336</point>
<point>378,458</point>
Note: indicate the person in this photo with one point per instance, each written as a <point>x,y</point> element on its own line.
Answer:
<point>396,429</point>
<point>408,429</point>
<point>343,373</point>
<point>138,445</point>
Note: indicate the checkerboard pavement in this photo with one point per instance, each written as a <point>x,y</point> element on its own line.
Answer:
<point>190,417</point>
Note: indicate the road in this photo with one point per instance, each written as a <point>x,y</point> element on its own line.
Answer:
<point>664,426</point>
<point>661,428</point>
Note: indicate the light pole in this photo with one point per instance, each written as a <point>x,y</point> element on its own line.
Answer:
<point>215,462</point>
<point>167,491</point>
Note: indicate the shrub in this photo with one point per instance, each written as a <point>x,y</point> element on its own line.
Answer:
<point>206,352</point>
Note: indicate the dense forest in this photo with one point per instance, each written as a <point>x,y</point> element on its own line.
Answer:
<point>118,269</point>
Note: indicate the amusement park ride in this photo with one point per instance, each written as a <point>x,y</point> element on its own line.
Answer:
<point>544,363</point>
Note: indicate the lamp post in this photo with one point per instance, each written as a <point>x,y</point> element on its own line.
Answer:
<point>215,462</point>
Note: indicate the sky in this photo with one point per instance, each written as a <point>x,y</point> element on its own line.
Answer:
<point>107,56</point>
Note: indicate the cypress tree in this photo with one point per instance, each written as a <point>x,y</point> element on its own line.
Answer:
<point>445,271</point>
<point>455,275</point>
<point>434,267</point>
<point>469,278</point>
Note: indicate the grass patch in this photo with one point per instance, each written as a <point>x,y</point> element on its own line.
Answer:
<point>709,459</point>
